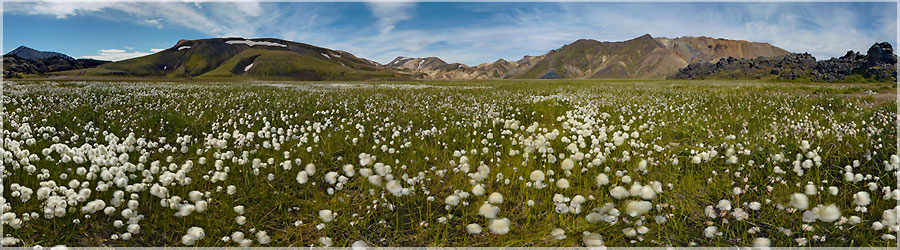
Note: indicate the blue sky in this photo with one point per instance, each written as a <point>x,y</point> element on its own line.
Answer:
<point>467,32</point>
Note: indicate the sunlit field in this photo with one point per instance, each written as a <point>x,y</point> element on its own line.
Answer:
<point>504,163</point>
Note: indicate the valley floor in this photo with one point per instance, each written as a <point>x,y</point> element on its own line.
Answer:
<point>449,163</point>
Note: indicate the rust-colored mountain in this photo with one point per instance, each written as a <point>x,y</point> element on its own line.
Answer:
<point>643,57</point>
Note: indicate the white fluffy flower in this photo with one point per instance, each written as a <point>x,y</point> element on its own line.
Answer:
<point>263,238</point>
<point>647,193</point>
<point>828,213</point>
<point>478,190</point>
<point>499,226</point>
<point>302,177</point>
<point>331,177</point>
<point>642,165</point>
<point>567,164</point>
<point>310,169</point>
<point>592,240</point>
<point>394,187</point>
<point>473,228</point>
<point>536,175</point>
<point>755,206</point>
<point>495,198</point>
<point>192,236</point>
<point>861,199</point>
<point>488,211</point>
<point>558,234</point>
<point>602,179</point>
<point>636,208</point>
<point>562,183</point>
<point>762,242</point>
<point>326,215</point>
<point>724,205</point>
<point>359,245</point>
<point>452,200</point>
<point>325,241</point>
<point>349,171</point>
<point>710,231</point>
<point>810,189</point>
<point>799,201</point>
<point>853,220</point>
<point>619,192</point>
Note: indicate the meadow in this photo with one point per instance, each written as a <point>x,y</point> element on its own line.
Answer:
<point>443,163</point>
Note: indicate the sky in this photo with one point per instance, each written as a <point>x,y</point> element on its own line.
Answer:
<point>466,32</point>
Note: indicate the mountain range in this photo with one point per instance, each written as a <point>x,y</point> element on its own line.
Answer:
<point>644,57</point>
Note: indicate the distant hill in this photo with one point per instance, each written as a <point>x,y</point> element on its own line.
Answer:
<point>643,57</point>
<point>24,61</point>
<point>879,64</point>
<point>32,54</point>
<point>259,58</point>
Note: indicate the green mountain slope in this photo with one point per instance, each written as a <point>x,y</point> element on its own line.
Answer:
<point>230,57</point>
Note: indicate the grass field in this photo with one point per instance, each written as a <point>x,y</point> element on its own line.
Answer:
<point>476,163</point>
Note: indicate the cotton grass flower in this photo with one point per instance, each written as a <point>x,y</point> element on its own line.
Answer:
<point>562,183</point>
<point>558,234</point>
<point>799,201</point>
<point>592,240</point>
<point>302,177</point>
<point>619,192</point>
<point>263,238</point>
<point>488,211</point>
<point>495,198</point>
<point>636,208</point>
<point>861,199</point>
<point>326,215</point>
<point>478,190</point>
<point>710,231</point>
<point>567,164</point>
<point>473,228</point>
<point>602,179</point>
<point>451,200</point>
<point>325,241</point>
<point>499,226</point>
<point>193,235</point>
<point>394,188</point>
<point>828,213</point>
<point>359,245</point>
<point>762,243</point>
<point>536,175</point>
<point>755,206</point>
<point>724,205</point>
<point>647,193</point>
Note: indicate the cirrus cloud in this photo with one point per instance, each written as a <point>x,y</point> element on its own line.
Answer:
<point>119,54</point>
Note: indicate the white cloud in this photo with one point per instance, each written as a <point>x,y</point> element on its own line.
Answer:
<point>62,9</point>
<point>154,22</point>
<point>216,19</point>
<point>119,54</point>
<point>390,13</point>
